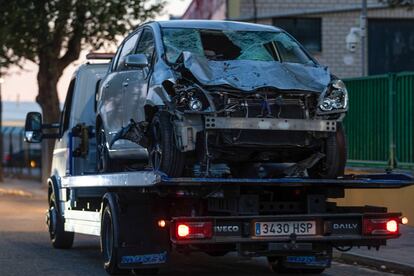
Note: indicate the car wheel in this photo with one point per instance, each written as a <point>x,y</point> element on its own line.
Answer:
<point>102,156</point>
<point>59,237</point>
<point>335,150</point>
<point>164,155</point>
<point>108,248</point>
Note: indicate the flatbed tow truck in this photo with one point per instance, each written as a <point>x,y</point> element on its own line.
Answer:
<point>142,216</point>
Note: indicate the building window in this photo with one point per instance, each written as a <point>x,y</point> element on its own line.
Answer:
<point>308,31</point>
<point>390,45</point>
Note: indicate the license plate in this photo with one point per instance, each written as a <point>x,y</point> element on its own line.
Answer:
<point>285,228</point>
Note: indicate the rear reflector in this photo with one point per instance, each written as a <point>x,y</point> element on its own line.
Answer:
<point>193,230</point>
<point>381,226</point>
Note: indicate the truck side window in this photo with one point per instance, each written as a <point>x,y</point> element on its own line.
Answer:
<point>146,44</point>
<point>65,116</point>
<point>128,48</point>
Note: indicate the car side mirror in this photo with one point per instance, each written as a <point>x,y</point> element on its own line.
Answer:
<point>33,128</point>
<point>139,61</point>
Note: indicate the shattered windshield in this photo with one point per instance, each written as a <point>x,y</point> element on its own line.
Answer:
<point>233,45</point>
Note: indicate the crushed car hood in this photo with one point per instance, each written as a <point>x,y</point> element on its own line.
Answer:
<point>248,75</point>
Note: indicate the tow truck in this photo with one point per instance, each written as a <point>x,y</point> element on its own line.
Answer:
<point>141,216</point>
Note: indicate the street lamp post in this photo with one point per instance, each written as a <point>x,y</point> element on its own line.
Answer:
<point>363,32</point>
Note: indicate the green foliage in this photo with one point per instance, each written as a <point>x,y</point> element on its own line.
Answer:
<point>32,29</point>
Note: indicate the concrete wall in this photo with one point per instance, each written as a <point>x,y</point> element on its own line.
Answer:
<point>270,7</point>
<point>399,200</point>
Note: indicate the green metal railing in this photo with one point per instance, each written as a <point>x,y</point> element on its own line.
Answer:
<point>380,121</point>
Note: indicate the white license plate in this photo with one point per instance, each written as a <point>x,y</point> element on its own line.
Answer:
<point>285,228</point>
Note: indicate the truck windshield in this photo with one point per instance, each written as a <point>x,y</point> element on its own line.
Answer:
<point>233,45</point>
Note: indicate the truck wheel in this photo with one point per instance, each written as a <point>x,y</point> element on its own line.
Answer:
<point>102,156</point>
<point>335,150</point>
<point>164,155</point>
<point>54,220</point>
<point>108,247</point>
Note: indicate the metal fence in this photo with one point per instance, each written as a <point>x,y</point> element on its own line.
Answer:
<point>380,121</point>
<point>20,159</point>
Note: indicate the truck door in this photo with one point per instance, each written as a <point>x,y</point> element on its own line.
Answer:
<point>136,80</point>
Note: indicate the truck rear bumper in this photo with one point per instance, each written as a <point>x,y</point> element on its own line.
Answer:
<point>334,229</point>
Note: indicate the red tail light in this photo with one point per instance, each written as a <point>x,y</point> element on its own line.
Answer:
<point>193,230</point>
<point>381,226</point>
<point>7,158</point>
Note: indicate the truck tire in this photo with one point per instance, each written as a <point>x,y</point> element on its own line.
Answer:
<point>164,155</point>
<point>108,247</point>
<point>335,150</point>
<point>59,237</point>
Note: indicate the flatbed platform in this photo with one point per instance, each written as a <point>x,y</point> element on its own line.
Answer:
<point>154,179</point>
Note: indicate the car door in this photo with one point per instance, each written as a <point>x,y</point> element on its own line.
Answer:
<point>136,80</point>
<point>113,88</point>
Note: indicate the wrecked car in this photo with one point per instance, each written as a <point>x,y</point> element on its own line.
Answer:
<point>185,93</point>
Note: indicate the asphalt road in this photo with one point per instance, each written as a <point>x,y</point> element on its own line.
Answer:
<point>25,250</point>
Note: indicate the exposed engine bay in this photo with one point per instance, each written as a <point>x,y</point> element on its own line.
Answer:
<point>223,123</point>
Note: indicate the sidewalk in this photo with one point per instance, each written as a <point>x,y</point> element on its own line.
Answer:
<point>397,255</point>
<point>23,188</point>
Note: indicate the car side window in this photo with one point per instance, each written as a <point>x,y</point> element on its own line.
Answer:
<point>116,58</point>
<point>128,48</point>
<point>146,44</point>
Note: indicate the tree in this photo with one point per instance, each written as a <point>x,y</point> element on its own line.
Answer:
<point>52,33</point>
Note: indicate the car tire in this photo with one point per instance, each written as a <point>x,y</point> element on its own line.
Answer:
<point>108,247</point>
<point>335,150</point>
<point>164,155</point>
<point>59,237</point>
<point>103,162</point>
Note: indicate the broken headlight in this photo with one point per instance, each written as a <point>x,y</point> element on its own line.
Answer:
<point>334,98</point>
<point>191,99</point>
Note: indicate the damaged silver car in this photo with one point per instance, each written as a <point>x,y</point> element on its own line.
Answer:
<point>186,94</point>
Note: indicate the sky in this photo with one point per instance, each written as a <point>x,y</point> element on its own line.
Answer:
<point>21,84</point>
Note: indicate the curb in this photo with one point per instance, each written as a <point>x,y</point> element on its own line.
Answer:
<point>15,192</point>
<point>377,263</point>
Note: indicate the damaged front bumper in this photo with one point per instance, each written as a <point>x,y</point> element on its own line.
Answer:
<point>211,123</point>
<point>188,126</point>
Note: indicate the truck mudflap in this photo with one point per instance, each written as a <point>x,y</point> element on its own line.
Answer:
<point>264,234</point>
